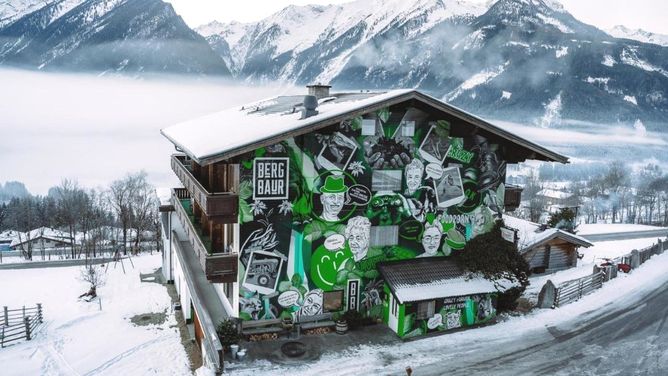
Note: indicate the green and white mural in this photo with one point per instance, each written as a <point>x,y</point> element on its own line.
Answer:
<point>318,212</point>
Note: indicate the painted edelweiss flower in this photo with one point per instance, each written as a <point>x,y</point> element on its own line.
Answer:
<point>356,168</point>
<point>285,207</point>
<point>258,207</point>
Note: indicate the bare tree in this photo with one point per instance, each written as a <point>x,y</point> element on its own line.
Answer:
<point>95,276</point>
<point>72,202</point>
<point>120,199</point>
<point>144,205</point>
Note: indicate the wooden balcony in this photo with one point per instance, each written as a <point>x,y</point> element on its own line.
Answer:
<point>219,267</point>
<point>224,205</point>
<point>513,197</point>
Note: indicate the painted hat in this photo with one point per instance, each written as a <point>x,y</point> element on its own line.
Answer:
<point>334,184</point>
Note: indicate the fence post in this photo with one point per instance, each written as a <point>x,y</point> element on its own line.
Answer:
<point>26,321</point>
<point>39,313</point>
<point>6,316</point>
<point>2,338</point>
<point>24,311</point>
<point>635,259</point>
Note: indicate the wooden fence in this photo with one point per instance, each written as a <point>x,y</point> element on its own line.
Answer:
<point>18,324</point>
<point>573,290</point>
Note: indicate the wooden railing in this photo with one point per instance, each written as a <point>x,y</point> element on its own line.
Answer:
<point>218,267</point>
<point>18,324</point>
<point>214,204</point>
<point>573,290</point>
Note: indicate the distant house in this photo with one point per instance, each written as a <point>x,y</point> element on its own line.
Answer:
<point>6,239</point>
<point>556,197</point>
<point>42,238</point>
<point>545,249</point>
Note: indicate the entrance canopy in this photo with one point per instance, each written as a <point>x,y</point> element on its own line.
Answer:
<point>431,278</point>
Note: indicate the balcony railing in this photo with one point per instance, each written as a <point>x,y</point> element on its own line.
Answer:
<point>214,204</point>
<point>219,267</point>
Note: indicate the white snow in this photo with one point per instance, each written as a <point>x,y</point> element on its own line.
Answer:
<point>640,35</point>
<point>640,128</point>
<point>631,99</point>
<point>476,80</point>
<point>556,23</point>
<point>561,52</point>
<point>610,228</point>
<point>552,114</point>
<point>528,233</point>
<point>11,11</point>
<point>608,61</point>
<point>450,287</point>
<point>78,338</point>
<point>630,57</point>
<point>506,94</point>
<point>216,127</point>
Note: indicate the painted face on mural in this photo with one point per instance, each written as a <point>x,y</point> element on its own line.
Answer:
<point>358,232</point>
<point>312,303</point>
<point>431,240</point>
<point>414,172</point>
<point>332,204</point>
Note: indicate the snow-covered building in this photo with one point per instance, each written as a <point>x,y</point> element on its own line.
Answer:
<point>40,239</point>
<point>556,197</point>
<point>546,249</point>
<point>7,237</point>
<point>290,204</point>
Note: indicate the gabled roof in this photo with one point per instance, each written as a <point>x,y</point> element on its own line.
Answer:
<point>42,232</point>
<point>9,235</point>
<point>530,236</point>
<point>238,130</point>
<point>553,193</point>
<point>431,278</point>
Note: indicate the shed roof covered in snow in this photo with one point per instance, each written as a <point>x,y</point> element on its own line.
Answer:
<point>42,233</point>
<point>235,131</point>
<point>553,193</point>
<point>431,278</point>
<point>530,234</point>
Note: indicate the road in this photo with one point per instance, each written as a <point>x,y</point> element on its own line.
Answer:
<point>632,340</point>
<point>626,235</point>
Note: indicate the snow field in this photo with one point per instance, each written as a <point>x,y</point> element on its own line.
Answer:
<point>79,339</point>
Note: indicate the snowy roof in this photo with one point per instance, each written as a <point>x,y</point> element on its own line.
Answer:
<point>431,278</point>
<point>529,234</point>
<point>552,193</point>
<point>238,130</point>
<point>9,235</point>
<point>42,232</point>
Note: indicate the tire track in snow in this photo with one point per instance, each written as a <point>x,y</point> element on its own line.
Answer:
<point>104,366</point>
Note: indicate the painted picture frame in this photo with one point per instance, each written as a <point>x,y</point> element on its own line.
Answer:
<point>263,272</point>
<point>337,153</point>
<point>434,148</point>
<point>449,189</point>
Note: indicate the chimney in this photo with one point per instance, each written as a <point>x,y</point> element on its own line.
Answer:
<point>310,106</point>
<point>319,90</point>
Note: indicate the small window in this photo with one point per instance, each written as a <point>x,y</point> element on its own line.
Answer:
<point>333,300</point>
<point>407,128</point>
<point>368,127</point>
<point>383,236</point>
<point>426,310</point>
<point>386,180</point>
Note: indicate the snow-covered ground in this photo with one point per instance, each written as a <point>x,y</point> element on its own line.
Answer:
<point>78,338</point>
<point>607,228</point>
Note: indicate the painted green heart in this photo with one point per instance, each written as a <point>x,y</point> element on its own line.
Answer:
<point>325,264</point>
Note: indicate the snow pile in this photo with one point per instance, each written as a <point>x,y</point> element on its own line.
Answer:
<point>631,99</point>
<point>78,338</point>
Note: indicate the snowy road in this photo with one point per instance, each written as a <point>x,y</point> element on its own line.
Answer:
<point>661,233</point>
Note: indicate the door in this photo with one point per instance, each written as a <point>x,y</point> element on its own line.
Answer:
<point>393,318</point>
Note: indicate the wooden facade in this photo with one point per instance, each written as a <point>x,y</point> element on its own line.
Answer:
<point>557,254</point>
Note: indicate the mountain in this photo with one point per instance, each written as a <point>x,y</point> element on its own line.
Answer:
<point>127,36</point>
<point>640,35</point>
<point>520,59</point>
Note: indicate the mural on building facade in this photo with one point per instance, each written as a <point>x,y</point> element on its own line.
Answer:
<point>318,212</point>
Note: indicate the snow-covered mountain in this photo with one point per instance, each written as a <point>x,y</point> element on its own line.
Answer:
<point>513,58</point>
<point>104,36</point>
<point>640,35</point>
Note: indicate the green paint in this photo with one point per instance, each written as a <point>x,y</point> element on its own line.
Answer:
<point>326,264</point>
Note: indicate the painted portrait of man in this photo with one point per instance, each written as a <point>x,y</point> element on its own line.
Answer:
<point>333,197</point>
<point>312,304</point>
<point>358,232</point>
<point>413,173</point>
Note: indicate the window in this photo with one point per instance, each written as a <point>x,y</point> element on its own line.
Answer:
<point>426,310</point>
<point>395,307</point>
<point>333,300</point>
<point>407,128</point>
<point>368,127</point>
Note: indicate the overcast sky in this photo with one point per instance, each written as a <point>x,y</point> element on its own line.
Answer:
<point>646,14</point>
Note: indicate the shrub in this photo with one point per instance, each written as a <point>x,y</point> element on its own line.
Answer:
<point>496,259</point>
<point>228,333</point>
